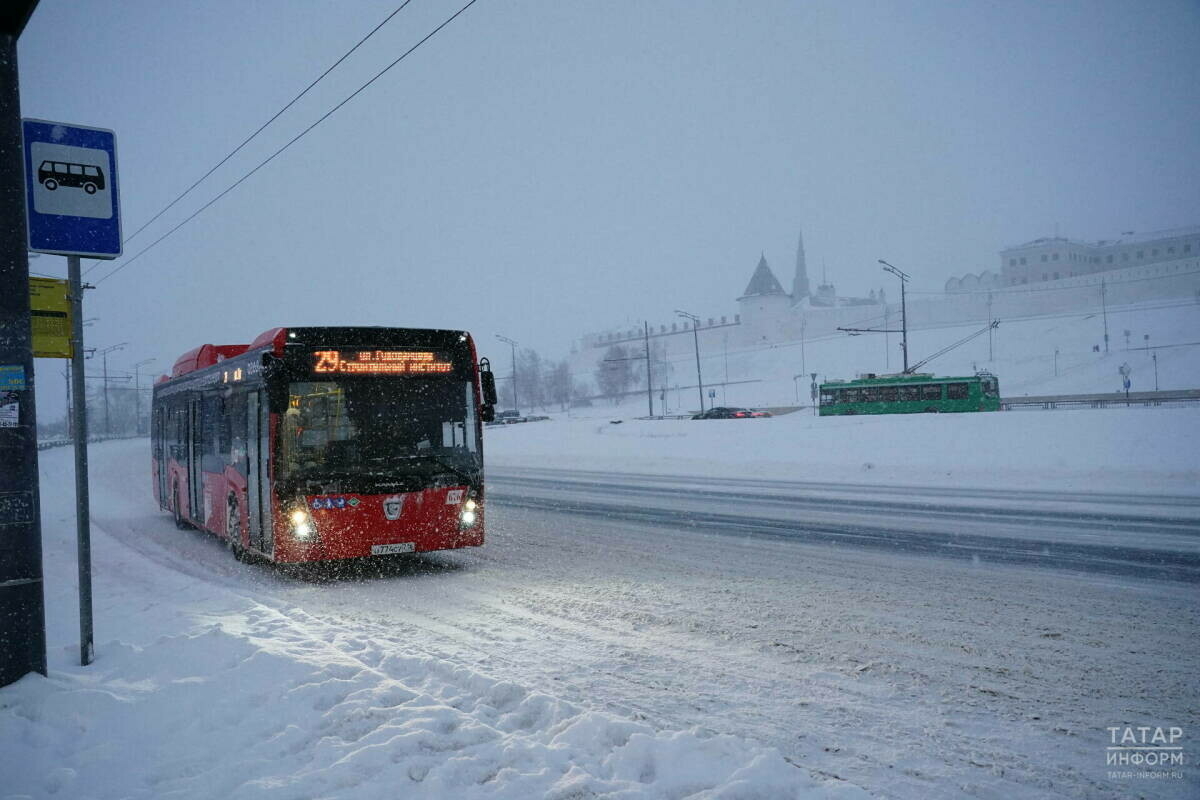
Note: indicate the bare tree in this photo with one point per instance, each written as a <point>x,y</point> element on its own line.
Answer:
<point>558,384</point>
<point>614,372</point>
<point>529,378</point>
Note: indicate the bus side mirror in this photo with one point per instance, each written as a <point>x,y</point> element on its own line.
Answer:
<point>488,382</point>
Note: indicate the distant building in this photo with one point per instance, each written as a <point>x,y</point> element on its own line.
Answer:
<point>1057,258</point>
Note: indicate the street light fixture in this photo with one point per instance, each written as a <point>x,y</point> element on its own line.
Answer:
<point>513,344</point>
<point>696,338</point>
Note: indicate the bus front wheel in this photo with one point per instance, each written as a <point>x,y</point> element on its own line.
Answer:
<point>50,184</point>
<point>90,188</point>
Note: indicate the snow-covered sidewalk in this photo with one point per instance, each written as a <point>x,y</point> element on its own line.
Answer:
<point>204,688</point>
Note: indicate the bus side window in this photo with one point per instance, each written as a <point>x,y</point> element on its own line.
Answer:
<point>957,391</point>
<point>237,432</point>
<point>910,393</point>
<point>889,394</point>
<point>931,391</point>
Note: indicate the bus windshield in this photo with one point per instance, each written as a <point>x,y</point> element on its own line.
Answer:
<point>379,427</point>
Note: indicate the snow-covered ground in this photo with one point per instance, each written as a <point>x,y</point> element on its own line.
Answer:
<point>1135,450</point>
<point>579,657</point>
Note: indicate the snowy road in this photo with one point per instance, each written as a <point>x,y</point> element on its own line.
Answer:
<point>809,623</point>
<point>1155,537</point>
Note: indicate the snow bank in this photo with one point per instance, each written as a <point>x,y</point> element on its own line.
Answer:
<point>1140,450</point>
<point>270,712</point>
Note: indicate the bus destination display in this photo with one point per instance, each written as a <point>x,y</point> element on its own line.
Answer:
<point>379,362</point>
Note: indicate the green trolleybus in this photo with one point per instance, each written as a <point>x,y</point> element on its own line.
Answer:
<point>910,394</point>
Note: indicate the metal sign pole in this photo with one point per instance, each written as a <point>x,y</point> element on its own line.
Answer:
<point>79,425</point>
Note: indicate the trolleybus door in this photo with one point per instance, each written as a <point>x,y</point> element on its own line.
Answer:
<point>258,484</point>
<point>195,449</point>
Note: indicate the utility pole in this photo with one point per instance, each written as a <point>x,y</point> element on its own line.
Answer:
<point>696,337</point>
<point>1154,357</point>
<point>516,403</point>
<point>1104,310</point>
<point>903,309</point>
<point>989,319</point>
<point>1056,362</point>
<point>104,353</point>
<point>22,604</point>
<point>803,326</point>
<point>137,395</point>
<point>649,385</point>
<point>903,315</point>
<point>887,340</point>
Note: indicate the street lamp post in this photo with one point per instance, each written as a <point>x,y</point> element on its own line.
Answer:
<point>137,395</point>
<point>510,342</point>
<point>696,338</point>
<point>104,353</point>
<point>903,309</point>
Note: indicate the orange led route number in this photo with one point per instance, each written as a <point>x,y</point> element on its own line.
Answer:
<point>378,362</point>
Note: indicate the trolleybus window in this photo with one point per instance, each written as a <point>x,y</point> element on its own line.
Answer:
<point>932,391</point>
<point>957,391</point>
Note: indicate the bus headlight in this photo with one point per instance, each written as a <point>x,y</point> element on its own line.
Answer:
<point>468,516</point>
<point>302,526</point>
<point>470,505</point>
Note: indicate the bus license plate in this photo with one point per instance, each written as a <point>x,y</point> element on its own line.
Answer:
<point>388,549</point>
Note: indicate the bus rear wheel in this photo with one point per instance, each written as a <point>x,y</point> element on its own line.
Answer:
<point>233,529</point>
<point>175,510</point>
<point>50,184</point>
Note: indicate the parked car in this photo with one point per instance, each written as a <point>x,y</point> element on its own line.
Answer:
<point>723,412</point>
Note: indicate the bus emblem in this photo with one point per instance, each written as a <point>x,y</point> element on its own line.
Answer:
<point>392,506</point>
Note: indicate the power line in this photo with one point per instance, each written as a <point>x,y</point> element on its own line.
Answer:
<point>295,139</point>
<point>263,127</point>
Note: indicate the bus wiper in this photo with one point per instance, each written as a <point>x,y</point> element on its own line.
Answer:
<point>465,476</point>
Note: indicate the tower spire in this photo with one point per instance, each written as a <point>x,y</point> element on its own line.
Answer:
<point>800,288</point>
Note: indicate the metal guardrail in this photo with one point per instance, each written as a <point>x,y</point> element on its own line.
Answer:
<point>1180,396</point>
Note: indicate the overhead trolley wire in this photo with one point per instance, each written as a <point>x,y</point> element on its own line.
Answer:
<point>261,128</point>
<point>293,140</point>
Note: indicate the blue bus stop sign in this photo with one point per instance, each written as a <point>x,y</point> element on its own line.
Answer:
<point>72,202</point>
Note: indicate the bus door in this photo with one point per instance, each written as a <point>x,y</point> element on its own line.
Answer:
<point>258,483</point>
<point>160,454</point>
<point>195,448</point>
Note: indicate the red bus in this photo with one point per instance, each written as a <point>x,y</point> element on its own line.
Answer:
<point>313,444</point>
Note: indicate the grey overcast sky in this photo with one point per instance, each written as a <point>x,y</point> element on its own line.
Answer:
<point>542,169</point>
